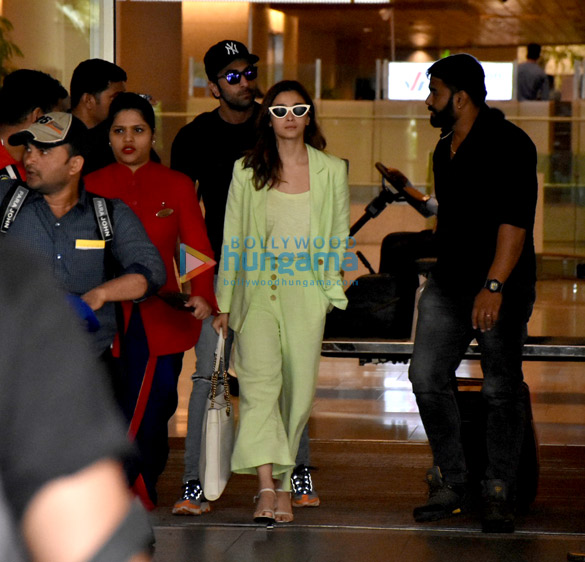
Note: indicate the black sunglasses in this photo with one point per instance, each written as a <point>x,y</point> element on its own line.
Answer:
<point>234,77</point>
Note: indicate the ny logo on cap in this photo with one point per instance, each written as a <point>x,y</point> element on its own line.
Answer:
<point>231,48</point>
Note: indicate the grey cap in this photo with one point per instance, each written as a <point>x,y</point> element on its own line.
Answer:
<point>52,129</point>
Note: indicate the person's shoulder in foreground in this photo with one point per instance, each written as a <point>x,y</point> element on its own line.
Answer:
<point>62,441</point>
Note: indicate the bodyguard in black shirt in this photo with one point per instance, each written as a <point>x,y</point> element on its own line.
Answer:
<point>484,186</point>
<point>482,288</point>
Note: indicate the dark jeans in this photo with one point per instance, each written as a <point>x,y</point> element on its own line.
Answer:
<point>443,333</point>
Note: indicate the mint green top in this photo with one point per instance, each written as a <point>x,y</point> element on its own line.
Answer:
<point>288,221</point>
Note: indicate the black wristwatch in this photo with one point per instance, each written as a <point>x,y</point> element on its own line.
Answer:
<point>493,286</point>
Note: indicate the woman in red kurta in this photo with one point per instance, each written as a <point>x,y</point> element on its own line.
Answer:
<point>156,334</point>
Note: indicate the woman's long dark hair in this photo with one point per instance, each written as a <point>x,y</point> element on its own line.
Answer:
<point>264,158</point>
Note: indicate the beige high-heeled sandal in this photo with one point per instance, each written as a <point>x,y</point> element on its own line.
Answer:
<point>264,515</point>
<point>283,516</point>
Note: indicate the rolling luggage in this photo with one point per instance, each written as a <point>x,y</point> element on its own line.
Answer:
<point>380,305</point>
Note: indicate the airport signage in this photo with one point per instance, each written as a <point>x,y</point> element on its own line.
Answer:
<point>408,80</point>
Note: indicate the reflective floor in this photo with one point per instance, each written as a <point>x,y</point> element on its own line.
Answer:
<point>370,447</point>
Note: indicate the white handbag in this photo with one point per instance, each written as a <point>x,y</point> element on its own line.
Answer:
<point>217,439</point>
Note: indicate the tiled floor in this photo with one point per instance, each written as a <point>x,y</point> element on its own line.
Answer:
<point>358,406</point>
<point>222,544</point>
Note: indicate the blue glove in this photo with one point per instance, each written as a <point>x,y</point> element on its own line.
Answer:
<point>84,312</point>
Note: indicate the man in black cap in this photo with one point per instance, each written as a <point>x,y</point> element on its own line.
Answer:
<point>206,150</point>
<point>482,287</point>
<point>97,249</point>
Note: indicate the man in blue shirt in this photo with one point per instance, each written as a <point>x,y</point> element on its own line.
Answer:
<point>56,218</point>
<point>532,79</point>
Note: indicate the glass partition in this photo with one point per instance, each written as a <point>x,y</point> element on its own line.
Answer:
<point>56,36</point>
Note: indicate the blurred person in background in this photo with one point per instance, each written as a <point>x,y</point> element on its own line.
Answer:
<point>533,81</point>
<point>25,96</point>
<point>95,83</point>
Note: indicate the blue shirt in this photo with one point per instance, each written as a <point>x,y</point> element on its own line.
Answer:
<point>532,82</point>
<point>70,247</point>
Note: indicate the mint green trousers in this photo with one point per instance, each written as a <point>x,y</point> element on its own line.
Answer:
<point>276,357</point>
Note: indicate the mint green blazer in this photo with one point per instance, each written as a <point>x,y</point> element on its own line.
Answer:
<point>245,221</point>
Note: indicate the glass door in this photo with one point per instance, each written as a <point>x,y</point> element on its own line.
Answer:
<point>56,36</point>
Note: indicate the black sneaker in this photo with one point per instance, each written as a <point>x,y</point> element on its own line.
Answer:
<point>192,502</point>
<point>303,492</point>
<point>498,510</point>
<point>445,500</point>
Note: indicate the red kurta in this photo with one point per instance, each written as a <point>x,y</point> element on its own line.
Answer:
<point>7,160</point>
<point>151,188</point>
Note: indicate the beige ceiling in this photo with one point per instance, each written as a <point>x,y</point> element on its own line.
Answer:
<point>454,24</point>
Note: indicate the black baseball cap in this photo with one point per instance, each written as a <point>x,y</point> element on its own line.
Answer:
<point>52,129</point>
<point>224,53</point>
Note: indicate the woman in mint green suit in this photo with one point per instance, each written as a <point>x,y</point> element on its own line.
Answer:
<point>285,241</point>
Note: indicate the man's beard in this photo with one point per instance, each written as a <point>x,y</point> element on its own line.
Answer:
<point>445,118</point>
<point>237,104</point>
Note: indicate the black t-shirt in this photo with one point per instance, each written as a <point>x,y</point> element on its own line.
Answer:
<point>56,412</point>
<point>490,181</point>
<point>98,152</point>
<point>206,150</point>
